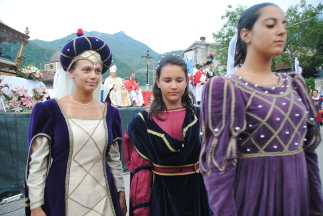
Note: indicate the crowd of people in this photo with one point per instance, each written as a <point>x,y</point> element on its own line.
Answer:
<point>122,93</point>
<point>248,150</point>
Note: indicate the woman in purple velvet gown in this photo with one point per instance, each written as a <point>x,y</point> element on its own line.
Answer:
<point>258,129</point>
<point>74,165</point>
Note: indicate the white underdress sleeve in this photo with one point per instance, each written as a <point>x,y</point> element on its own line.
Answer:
<point>114,162</point>
<point>38,166</point>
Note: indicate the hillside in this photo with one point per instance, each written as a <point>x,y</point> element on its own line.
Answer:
<point>127,53</point>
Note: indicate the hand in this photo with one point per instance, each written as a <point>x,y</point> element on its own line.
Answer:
<point>123,205</point>
<point>37,212</point>
<point>114,89</point>
<point>202,83</point>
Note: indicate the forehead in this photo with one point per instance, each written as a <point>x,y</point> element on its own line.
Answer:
<point>87,63</point>
<point>270,11</point>
<point>172,71</point>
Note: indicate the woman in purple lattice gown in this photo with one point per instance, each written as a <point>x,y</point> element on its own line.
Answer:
<point>258,129</point>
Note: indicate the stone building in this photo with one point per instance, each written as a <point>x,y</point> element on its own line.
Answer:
<point>199,51</point>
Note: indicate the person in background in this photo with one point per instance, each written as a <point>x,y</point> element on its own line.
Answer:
<point>209,69</point>
<point>136,98</point>
<point>115,90</point>
<point>317,101</point>
<point>162,146</point>
<point>199,81</point>
<point>74,165</point>
<point>258,129</point>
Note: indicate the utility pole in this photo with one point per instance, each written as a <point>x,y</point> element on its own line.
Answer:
<point>148,64</point>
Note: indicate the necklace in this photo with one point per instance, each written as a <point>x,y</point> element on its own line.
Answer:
<point>81,103</point>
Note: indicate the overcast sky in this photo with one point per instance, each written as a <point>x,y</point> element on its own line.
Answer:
<point>163,25</point>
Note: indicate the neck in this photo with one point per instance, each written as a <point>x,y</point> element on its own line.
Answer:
<point>82,98</point>
<point>257,65</point>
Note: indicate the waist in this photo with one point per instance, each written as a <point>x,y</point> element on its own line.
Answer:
<point>175,170</point>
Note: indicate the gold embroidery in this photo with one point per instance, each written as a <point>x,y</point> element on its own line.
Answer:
<point>140,114</point>
<point>189,125</point>
<point>164,139</point>
<point>142,155</point>
<point>317,213</point>
<point>266,154</point>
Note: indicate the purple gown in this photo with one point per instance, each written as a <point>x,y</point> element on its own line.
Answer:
<point>258,148</point>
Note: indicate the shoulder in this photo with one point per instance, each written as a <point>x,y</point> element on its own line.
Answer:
<point>46,106</point>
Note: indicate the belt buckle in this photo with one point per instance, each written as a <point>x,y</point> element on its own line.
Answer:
<point>197,167</point>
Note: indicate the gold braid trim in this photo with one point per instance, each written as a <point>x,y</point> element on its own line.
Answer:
<point>164,139</point>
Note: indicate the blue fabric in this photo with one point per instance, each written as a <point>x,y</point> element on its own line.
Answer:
<point>83,43</point>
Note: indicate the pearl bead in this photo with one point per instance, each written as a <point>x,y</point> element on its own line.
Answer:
<point>275,146</point>
<point>306,111</point>
<point>250,125</point>
<point>287,86</point>
<point>304,126</point>
<point>246,83</point>
<point>237,128</point>
<point>266,92</point>
<point>299,99</point>
<point>248,149</point>
<point>296,114</point>
<point>295,143</point>
<point>183,145</point>
<point>262,136</point>
<point>277,119</point>
<point>201,133</point>
<point>281,92</point>
<point>216,130</point>
<point>283,104</point>
<point>240,77</point>
<point>295,87</point>
<point>273,88</point>
<point>305,139</point>
<point>283,86</point>
<point>256,85</point>
<point>311,119</point>
<point>240,138</point>
<point>286,132</point>
<point>259,106</point>
<point>68,49</point>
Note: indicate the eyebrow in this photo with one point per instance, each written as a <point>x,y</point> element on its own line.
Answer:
<point>272,18</point>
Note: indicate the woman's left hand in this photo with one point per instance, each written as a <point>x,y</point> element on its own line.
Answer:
<point>123,205</point>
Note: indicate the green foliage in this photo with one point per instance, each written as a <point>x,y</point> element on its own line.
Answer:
<point>305,37</point>
<point>224,36</point>
<point>310,83</point>
<point>305,31</point>
<point>37,55</point>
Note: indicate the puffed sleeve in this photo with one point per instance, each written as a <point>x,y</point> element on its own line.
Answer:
<point>113,157</point>
<point>141,181</point>
<point>222,120</point>
<point>40,138</point>
<point>311,142</point>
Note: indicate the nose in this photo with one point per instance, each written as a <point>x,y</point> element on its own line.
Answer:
<point>282,30</point>
<point>173,85</point>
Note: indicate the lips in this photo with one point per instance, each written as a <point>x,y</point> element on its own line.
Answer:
<point>173,93</point>
<point>279,42</point>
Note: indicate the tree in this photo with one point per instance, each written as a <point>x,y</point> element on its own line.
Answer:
<point>224,36</point>
<point>305,31</point>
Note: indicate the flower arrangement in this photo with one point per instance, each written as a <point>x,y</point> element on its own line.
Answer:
<point>39,94</point>
<point>19,100</point>
<point>30,72</point>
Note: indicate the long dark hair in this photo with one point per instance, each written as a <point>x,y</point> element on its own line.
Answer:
<point>158,105</point>
<point>247,21</point>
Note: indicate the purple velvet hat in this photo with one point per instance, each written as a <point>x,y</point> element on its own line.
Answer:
<point>80,44</point>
